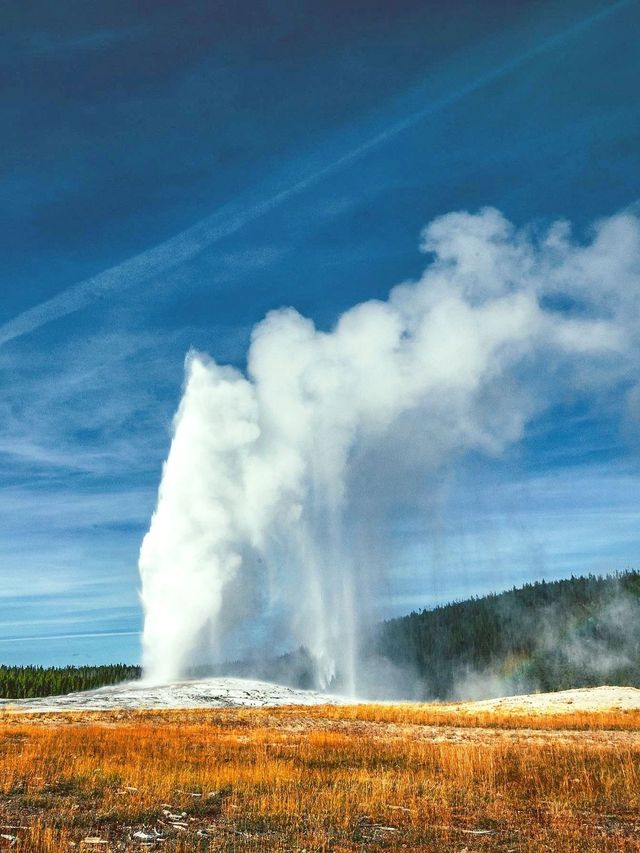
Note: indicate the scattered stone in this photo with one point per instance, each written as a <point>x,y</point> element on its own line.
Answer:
<point>372,830</point>
<point>476,831</point>
<point>153,835</point>
<point>173,816</point>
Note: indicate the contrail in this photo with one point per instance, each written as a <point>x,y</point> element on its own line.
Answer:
<point>71,636</point>
<point>190,242</point>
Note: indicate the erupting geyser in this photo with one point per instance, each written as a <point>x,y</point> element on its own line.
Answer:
<point>275,477</point>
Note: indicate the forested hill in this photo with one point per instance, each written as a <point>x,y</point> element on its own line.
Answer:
<point>579,632</point>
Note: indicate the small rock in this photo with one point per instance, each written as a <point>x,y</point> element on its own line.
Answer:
<point>153,835</point>
<point>173,815</point>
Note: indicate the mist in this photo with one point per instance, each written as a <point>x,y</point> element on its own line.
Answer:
<point>281,479</point>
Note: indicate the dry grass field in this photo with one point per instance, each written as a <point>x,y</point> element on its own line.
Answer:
<point>321,778</point>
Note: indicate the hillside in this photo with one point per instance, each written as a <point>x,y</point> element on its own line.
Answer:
<point>545,636</point>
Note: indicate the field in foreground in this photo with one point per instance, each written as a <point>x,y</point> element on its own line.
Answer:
<point>321,778</point>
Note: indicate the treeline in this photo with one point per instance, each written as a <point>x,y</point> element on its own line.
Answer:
<point>580,632</point>
<point>28,682</point>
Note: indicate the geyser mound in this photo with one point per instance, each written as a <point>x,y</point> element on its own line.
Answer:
<point>191,693</point>
<point>279,484</point>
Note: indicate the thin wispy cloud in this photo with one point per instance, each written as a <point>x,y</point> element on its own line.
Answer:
<point>87,391</point>
<point>79,636</point>
<point>228,221</point>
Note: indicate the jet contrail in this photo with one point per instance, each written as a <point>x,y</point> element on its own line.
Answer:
<point>71,636</point>
<point>190,242</point>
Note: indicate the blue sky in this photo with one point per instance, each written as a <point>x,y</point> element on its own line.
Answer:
<point>170,172</point>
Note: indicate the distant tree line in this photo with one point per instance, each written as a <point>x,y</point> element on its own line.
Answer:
<point>579,632</point>
<point>28,682</point>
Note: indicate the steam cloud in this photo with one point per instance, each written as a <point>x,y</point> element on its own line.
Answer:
<point>278,480</point>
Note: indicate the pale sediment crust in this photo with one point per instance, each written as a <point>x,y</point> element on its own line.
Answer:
<point>240,692</point>
<point>200,693</point>
<point>584,699</point>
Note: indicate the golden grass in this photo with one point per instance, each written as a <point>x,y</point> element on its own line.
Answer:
<point>325,778</point>
<point>463,715</point>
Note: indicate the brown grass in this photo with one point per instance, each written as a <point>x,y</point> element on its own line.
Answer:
<point>325,778</point>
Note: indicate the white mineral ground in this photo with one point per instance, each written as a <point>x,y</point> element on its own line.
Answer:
<point>563,702</point>
<point>200,693</point>
<point>239,692</point>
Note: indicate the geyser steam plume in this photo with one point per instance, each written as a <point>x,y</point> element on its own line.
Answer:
<point>274,476</point>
